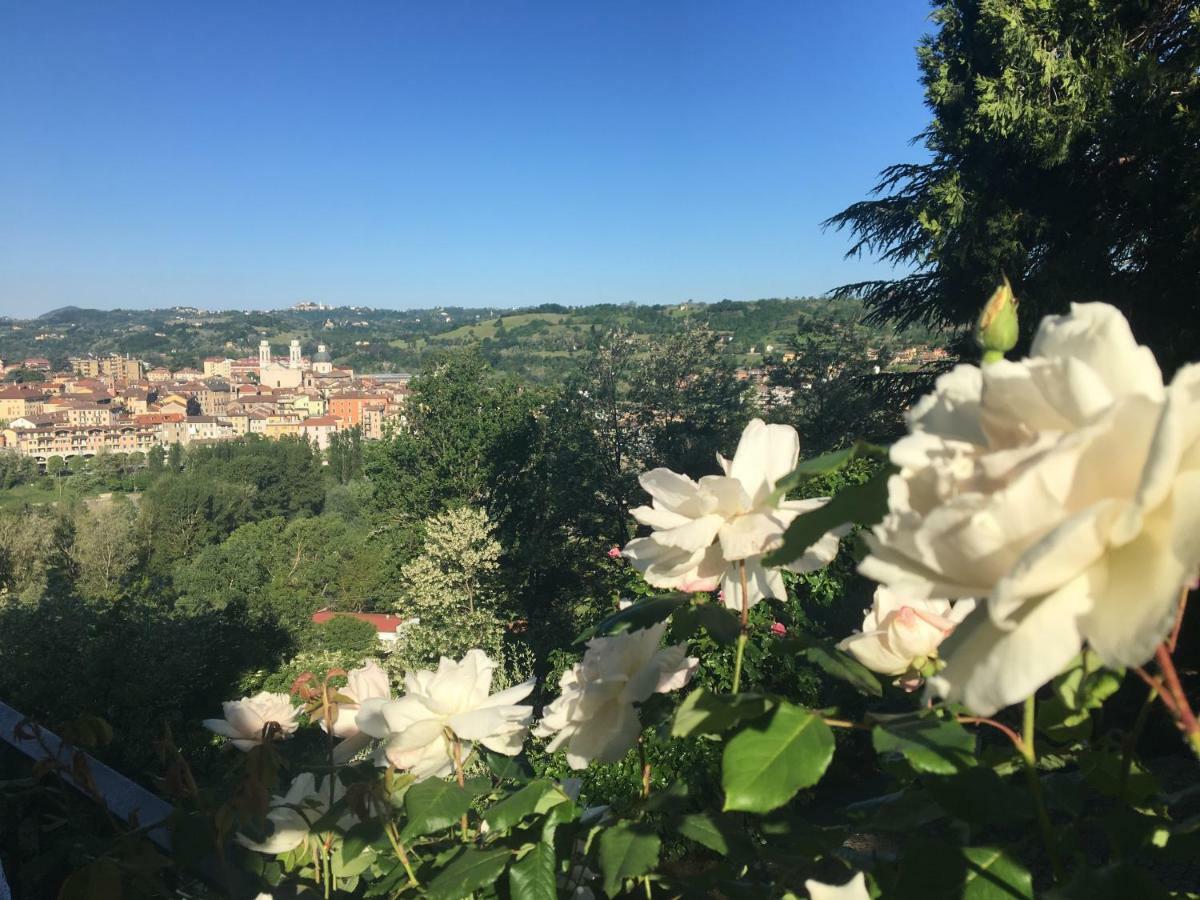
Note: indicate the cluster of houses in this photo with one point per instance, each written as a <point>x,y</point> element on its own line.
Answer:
<point>117,404</point>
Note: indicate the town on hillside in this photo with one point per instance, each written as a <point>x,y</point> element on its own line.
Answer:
<point>118,404</point>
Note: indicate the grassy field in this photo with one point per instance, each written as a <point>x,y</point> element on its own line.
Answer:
<point>48,492</point>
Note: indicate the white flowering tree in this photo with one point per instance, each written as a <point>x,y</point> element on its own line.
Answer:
<point>1034,538</point>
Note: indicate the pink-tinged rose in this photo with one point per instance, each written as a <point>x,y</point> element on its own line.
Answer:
<point>778,628</point>
<point>614,553</point>
<point>901,633</point>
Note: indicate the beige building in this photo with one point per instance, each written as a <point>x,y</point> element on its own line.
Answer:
<point>282,426</point>
<point>81,440</point>
<point>197,428</point>
<point>218,367</point>
<point>118,368</point>
<point>319,430</point>
<point>89,414</point>
<point>17,402</point>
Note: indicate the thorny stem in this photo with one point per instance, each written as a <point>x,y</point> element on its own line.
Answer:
<point>462,782</point>
<point>745,628</point>
<point>1035,785</point>
<point>999,726</point>
<point>1184,717</point>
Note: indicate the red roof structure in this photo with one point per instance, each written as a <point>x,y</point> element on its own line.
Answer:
<point>384,623</point>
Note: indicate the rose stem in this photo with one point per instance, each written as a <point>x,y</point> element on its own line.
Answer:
<point>645,768</point>
<point>1186,719</point>
<point>745,623</point>
<point>1035,785</point>
<point>462,782</point>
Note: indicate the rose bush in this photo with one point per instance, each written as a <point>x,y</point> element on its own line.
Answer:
<point>1035,510</point>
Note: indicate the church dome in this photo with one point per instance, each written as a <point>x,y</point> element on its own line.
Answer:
<point>322,355</point>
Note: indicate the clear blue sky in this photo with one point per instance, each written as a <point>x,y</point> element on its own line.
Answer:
<point>253,154</point>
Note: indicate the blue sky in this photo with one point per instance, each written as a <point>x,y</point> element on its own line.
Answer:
<point>401,154</point>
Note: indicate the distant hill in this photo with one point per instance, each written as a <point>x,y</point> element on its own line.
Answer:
<point>539,342</point>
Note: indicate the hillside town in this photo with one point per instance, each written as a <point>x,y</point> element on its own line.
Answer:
<point>118,404</point>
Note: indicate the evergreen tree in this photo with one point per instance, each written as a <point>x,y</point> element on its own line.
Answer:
<point>1065,152</point>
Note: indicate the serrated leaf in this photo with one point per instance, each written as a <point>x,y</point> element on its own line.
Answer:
<point>431,805</point>
<point>701,828</point>
<point>626,851</point>
<point>525,802</point>
<point>721,623</point>
<point>825,464</point>
<point>469,870</point>
<point>764,765</point>
<point>638,615</point>
<point>534,875</point>
<point>933,745</point>
<point>832,661</point>
<point>858,504</point>
<point>703,712</point>
<point>508,768</point>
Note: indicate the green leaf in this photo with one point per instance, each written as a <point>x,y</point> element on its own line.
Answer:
<point>933,745</point>
<point>721,623</point>
<point>359,837</point>
<point>469,870</point>
<point>936,871</point>
<point>1087,684</point>
<point>508,768</point>
<point>536,797</point>
<point>832,661</point>
<point>1118,881</point>
<point>433,804</point>
<point>703,712</point>
<point>765,764</point>
<point>626,851</point>
<point>991,873</point>
<point>859,504</point>
<point>639,615</point>
<point>701,828</point>
<point>534,875</point>
<point>825,464</point>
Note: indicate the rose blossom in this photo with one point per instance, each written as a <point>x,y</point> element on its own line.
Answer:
<point>453,699</point>
<point>245,719</point>
<point>291,815</point>
<point>854,889</point>
<point>595,715</point>
<point>900,634</point>
<point>703,530</point>
<point>1065,488</point>
<point>368,682</point>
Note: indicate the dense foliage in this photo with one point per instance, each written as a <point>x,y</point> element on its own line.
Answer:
<point>1063,152</point>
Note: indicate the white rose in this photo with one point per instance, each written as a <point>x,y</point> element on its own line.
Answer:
<point>900,634</point>
<point>1065,488</point>
<point>292,814</point>
<point>854,889</point>
<point>368,682</point>
<point>595,715</point>
<point>703,530</point>
<point>245,719</point>
<point>455,698</point>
